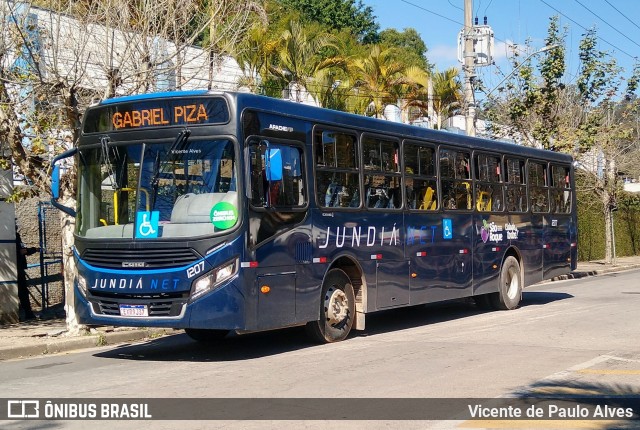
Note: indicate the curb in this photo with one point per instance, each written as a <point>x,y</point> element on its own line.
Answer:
<point>79,342</point>
<point>584,274</point>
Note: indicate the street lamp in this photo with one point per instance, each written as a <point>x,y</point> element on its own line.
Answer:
<point>515,69</point>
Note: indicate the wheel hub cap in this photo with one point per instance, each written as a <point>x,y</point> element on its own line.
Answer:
<point>336,305</point>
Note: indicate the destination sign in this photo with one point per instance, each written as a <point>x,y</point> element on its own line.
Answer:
<point>131,115</point>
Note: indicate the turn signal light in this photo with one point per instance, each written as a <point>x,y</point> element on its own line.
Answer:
<point>265,289</point>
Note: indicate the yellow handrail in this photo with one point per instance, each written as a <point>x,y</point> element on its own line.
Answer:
<point>115,201</point>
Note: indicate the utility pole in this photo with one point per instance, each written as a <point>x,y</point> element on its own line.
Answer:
<point>469,69</point>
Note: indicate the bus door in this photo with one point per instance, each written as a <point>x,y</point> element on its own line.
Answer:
<point>492,227</point>
<point>439,246</point>
<point>537,179</point>
<point>279,239</point>
<point>382,201</point>
<point>558,224</point>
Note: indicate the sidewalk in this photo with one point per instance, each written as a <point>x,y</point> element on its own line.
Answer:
<point>48,335</point>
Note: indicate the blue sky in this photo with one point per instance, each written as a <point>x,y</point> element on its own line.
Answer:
<point>513,22</point>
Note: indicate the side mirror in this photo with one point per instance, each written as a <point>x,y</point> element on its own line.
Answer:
<point>55,181</point>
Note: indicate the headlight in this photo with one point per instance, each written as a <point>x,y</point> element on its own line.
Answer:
<point>82,285</point>
<point>213,279</point>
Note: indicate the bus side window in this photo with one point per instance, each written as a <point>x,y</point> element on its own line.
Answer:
<point>538,191</point>
<point>421,189</point>
<point>337,181</point>
<point>489,186</point>
<point>516,190</point>
<point>455,176</point>
<point>284,191</point>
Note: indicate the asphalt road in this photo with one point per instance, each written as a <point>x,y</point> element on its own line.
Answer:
<point>569,337</point>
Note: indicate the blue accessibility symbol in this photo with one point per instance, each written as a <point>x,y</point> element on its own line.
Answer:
<point>147,224</point>
<point>447,229</point>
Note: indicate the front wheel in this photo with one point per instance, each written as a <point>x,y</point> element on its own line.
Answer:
<point>337,309</point>
<point>510,293</point>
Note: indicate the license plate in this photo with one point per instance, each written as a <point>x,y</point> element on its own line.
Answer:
<point>134,311</point>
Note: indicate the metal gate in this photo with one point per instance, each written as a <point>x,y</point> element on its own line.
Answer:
<point>51,279</point>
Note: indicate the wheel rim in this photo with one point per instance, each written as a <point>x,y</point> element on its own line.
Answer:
<point>336,305</point>
<point>512,283</point>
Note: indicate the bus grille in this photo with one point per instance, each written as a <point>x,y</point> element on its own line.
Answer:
<point>136,259</point>
<point>156,307</point>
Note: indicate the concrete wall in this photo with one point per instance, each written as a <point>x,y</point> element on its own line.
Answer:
<point>9,303</point>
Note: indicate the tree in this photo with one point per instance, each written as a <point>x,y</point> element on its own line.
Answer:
<point>379,79</point>
<point>298,54</point>
<point>338,15</point>
<point>227,21</point>
<point>587,119</point>
<point>53,64</point>
<point>410,48</point>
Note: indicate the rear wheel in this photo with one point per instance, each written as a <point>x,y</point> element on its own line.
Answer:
<point>205,335</point>
<point>510,293</point>
<point>337,309</point>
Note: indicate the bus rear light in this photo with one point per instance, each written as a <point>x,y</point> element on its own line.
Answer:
<point>320,260</point>
<point>546,246</point>
<point>463,251</point>
<point>573,245</point>
<point>251,264</point>
<point>421,254</point>
<point>495,249</point>
<point>376,256</point>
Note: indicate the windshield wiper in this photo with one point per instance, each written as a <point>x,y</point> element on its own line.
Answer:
<point>178,143</point>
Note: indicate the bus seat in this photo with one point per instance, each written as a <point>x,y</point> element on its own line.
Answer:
<point>196,208</point>
<point>429,203</point>
<point>484,201</point>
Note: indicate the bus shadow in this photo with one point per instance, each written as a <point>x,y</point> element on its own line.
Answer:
<point>424,315</point>
<point>180,347</point>
<point>533,298</point>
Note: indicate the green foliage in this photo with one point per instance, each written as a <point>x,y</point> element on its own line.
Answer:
<point>338,15</point>
<point>598,72</point>
<point>410,48</point>
<point>591,228</point>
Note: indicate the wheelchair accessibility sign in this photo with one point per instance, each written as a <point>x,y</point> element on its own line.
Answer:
<point>147,224</point>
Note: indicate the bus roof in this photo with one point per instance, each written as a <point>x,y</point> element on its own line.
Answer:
<point>341,119</point>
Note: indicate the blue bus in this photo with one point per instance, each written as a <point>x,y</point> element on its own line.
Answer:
<point>216,212</point>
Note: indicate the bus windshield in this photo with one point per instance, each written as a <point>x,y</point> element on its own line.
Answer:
<point>180,188</point>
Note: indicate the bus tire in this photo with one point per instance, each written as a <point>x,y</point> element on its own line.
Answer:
<point>510,289</point>
<point>205,335</point>
<point>337,309</point>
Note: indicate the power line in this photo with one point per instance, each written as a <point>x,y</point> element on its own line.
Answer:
<point>434,13</point>
<point>586,29</point>
<point>601,19</point>
<point>625,16</point>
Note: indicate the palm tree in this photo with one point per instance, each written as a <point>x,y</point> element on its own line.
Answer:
<point>447,94</point>
<point>254,56</point>
<point>380,79</point>
<point>299,54</point>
